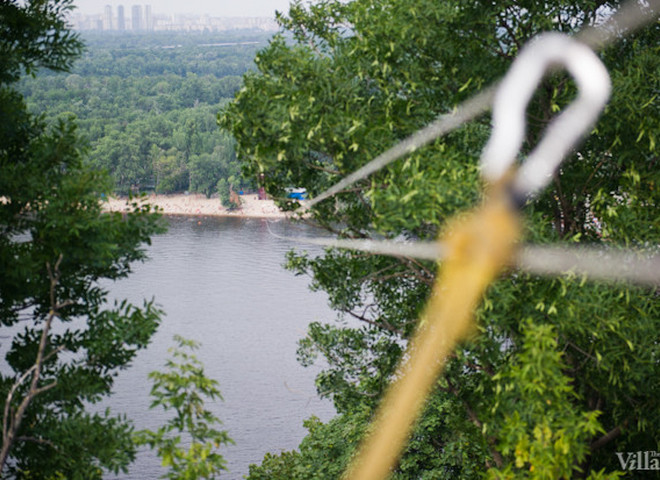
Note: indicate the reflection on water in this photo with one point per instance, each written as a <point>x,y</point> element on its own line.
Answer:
<point>221,282</point>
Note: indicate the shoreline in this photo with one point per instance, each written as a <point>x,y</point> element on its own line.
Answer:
<point>196,204</point>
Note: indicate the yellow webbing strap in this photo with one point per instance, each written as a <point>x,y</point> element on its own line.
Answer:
<point>478,247</point>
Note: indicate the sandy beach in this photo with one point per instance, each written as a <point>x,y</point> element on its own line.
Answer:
<point>198,204</point>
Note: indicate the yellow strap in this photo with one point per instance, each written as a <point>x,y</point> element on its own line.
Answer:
<point>477,249</point>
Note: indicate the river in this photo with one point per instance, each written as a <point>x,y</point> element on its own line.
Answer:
<point>221,282</point>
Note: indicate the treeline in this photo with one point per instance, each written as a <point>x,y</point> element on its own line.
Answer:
<point>147,105</point>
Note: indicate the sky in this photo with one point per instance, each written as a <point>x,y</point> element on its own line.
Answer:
<point>214,8</point>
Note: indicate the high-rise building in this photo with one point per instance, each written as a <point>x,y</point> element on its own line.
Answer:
<point>107,18</point>
<point>121,21</point>
<point>136,17</point>
<point>148,18</point>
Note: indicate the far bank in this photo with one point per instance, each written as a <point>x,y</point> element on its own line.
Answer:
<point>198,204</point>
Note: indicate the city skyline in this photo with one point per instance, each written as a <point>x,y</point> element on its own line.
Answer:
<point>220,8</point>
<point>143,18</point>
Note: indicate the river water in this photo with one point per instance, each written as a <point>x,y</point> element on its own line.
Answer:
<point>221,282</point>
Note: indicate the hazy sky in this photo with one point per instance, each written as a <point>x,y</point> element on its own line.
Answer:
<point>215,8</point>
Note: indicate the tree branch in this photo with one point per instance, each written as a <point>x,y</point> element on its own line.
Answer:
<point>11,420</point>
<point>497,457</point>
<point>504,23</point>
<point>608,437</point>
<point>39,440</point>
<point>323,169</point>
<point>382,324</point>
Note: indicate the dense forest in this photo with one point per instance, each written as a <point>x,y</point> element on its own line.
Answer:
<point>147,105</point>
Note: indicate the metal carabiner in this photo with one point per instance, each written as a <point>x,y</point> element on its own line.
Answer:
<point>511,100</point>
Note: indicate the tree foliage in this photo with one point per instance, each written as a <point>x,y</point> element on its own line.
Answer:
<point>563,372</point>
<point>183,388</point>
<point>63,341</point>
<point>147,105</point>
<point>31,33</point>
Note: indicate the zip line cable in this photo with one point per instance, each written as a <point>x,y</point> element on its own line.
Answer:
<point>603,264</point>
<point>465,112</point>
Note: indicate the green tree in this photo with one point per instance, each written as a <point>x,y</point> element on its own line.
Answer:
<point>62,341</point>
<point>222,188</point>
<point>206,170</point>
<point>133,99</point>
<point>184,388</point>
<point>324,452</point>
<point>563,372</point>
<point>171,171</point>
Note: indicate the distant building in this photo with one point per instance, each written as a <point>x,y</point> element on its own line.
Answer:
<point>148,18</point>
<point>121,21</point>
<point>136,17</point>
<point>107,18</point>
